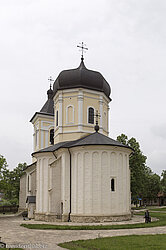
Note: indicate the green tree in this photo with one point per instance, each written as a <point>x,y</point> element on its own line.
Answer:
<point>10,180</point>
<point>153,185</point>
<point>3,168</point>
<point>143,182</point>
<point>163,181</point>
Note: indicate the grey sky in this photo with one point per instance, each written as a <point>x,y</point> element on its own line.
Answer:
<point>127,44</point>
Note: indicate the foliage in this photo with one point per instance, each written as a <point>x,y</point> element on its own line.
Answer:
<point>3,168</point>
<point>144,183</point>
<point>130,242</point>
<point>10,181</point>
<point>163,181</point>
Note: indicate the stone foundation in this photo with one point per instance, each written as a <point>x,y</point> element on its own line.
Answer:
<point>99,218</point>
<point>82,218</point>
<point>47,217</point>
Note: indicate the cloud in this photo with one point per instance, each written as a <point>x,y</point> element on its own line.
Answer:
<point>159,131</point>
<point>157,160</point>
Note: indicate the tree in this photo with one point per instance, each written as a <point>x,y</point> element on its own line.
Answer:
<point>10,180</point>
<point>153,186</point>
<point>163,181</point>
<point>3,167</point>
<point>143,182</point>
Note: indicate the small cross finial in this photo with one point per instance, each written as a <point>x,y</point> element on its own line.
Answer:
<point>83,49</point>
<point>50,80</point>
<point>97,121</point>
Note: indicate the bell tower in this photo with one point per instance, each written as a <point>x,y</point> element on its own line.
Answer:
<point>77,94</point>
<point>43,124</point>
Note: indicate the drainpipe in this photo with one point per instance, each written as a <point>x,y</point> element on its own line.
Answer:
<point>54,155</point>
<point>70,186</point>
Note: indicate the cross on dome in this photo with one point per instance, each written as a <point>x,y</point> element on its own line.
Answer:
<point>83,49</point>
<point>50,80</point>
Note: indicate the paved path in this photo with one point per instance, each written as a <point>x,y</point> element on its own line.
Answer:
<point>13,234</point>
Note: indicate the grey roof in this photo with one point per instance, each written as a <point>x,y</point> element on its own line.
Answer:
<point>30,165</point>
<point>40,113</point>
<point>48,107</point>
<point>81,77</point>
<point>31,199</point>
<point>92,139</point>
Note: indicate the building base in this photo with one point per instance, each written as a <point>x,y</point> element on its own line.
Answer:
<point>99,218</point>
<point>82,218</point>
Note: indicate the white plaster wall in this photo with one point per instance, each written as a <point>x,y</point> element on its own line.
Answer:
<point>92,170</point>
<point>55,192</point>
<point>42,197</point>
<point>65,185</point>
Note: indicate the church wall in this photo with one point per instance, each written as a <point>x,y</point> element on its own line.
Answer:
<point>42,198</point>
<point>22,194</point>
<point>27,185</point>
<point>55,188</point>
<point>42,126</point>
<point>33,183</point>
<point>70,101</point>
<point>92,171</point>
<point>72,106</point>
<point>65,185</point>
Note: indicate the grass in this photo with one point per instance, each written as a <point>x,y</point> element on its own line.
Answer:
<point>158,209</point>
<point>160,216</point>
<point>147,242</point>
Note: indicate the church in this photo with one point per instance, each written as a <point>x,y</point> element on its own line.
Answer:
<point>78,173</point>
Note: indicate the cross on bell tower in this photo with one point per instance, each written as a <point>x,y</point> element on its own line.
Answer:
<point>83,49</point>
<point>50,80</point>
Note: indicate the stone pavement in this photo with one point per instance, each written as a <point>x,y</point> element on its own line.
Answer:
<point>16,236</point>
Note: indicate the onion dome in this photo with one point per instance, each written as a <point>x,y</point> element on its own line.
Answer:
<point>81,77</point>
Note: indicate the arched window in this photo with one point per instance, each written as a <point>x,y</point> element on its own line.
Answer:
<point>112,184</point>
<point>52,136</point>
<point>91,115</point>
<point>29,189</point>
<point>57,118</point>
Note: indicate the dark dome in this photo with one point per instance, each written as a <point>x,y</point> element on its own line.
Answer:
<point>81,77</point>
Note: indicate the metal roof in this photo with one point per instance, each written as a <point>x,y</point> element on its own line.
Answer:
<point>92,139</point>
<point>81,77</point>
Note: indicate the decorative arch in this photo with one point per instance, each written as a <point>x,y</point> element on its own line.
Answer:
<point>105,120</point>
<point>70,114</point>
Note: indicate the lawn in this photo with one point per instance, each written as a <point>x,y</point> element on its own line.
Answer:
<point>132,242</point>
<point>160,216</point>
<point>158,209</point>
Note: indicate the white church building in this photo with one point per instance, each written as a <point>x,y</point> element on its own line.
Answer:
<point>78,173</point>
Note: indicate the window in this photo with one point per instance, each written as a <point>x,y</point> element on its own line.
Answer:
<point>112,184</point>
<point>52,136</point>
<point>91,115</point>
<point>36,138</point>
<point>29,189</point>
<point>57,118</point>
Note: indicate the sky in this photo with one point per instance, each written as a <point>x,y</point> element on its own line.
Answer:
<point>126,42</point>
